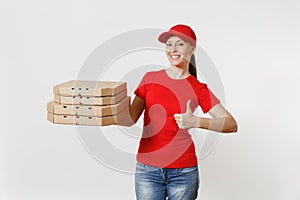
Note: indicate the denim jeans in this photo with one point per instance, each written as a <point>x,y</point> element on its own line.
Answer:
<point>152,183</point>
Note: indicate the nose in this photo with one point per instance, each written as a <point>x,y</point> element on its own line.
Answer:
<point>173,48</point>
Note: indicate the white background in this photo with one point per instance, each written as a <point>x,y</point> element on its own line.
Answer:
<point>254,45</point>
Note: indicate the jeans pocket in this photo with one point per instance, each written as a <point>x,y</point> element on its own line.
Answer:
<point>140,166</point>
<point>187,170</point>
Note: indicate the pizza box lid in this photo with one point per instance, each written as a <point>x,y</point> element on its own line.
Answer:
<point>87,120</point>
<point>87,110</point>
<point>89,88</point>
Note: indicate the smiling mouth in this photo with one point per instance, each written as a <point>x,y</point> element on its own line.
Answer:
<point>174,57</point>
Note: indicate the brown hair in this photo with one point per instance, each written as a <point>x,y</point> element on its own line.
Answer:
<point>192,66</point>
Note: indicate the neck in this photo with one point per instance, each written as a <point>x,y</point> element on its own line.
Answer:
<point>179,71</point>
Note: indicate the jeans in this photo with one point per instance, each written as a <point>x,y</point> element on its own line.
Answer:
<point>152,183</point>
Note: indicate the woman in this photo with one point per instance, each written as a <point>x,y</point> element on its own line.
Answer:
<point>166,160</point>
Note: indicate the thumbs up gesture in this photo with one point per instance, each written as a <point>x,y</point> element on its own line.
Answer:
<point>188,119</point>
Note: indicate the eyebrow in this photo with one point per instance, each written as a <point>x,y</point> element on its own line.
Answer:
<point>176,41</point>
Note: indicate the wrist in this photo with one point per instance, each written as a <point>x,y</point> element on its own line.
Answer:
<point>198,122</point>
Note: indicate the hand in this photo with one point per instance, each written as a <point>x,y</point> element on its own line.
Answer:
<point>187,120</point>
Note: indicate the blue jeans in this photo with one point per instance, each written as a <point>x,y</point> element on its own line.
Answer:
<point>152,183</point>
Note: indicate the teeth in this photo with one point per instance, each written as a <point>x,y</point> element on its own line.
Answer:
<point>175,57</point>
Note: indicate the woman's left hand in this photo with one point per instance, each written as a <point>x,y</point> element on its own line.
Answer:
<point>188,119</point>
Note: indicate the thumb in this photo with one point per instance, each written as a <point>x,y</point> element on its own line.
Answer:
<point>188,108</point>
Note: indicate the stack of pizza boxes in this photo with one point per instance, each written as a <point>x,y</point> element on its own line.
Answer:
<point>95,103</point>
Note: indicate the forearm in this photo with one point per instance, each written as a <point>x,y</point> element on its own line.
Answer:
<point>125,120</point>
<point>132,114</point>
<point>224,125</point>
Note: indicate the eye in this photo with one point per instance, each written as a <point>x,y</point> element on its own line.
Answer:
<point>180,44</point>
<point>169,44</point>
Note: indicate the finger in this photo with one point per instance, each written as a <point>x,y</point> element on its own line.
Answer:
<point>181,126</point>
<point>177,116</point>
<point>188,108</point>
<point>178,121</point>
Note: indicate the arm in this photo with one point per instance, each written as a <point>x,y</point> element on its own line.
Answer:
<point>222,120</point>
<point>133,113</point>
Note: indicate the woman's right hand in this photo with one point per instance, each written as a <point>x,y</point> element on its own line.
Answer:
<point>133,112</point>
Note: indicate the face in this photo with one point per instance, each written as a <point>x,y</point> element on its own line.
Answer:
<point>178,51</point>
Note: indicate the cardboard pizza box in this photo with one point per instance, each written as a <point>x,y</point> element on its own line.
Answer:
<point>90,100</point>
<point>89,88</point>
<point>86,110</point>
<point>87,120</point>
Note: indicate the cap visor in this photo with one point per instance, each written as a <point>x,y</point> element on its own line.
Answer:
<point>164,37</point>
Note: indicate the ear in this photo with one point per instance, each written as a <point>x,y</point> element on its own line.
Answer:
<point>193,49</point>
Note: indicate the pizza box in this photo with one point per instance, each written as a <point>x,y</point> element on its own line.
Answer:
<point>90,100</point>
<point>87,120</point>
<point>89,88</point>
<point>86,110</point>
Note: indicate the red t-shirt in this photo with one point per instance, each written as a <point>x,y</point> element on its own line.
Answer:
<point>163,143</point>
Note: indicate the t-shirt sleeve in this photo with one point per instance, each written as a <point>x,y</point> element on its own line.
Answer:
<point>140,91</point>
<point>207,99</point>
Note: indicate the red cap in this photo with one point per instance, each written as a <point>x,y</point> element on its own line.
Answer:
<point>183,31</point>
